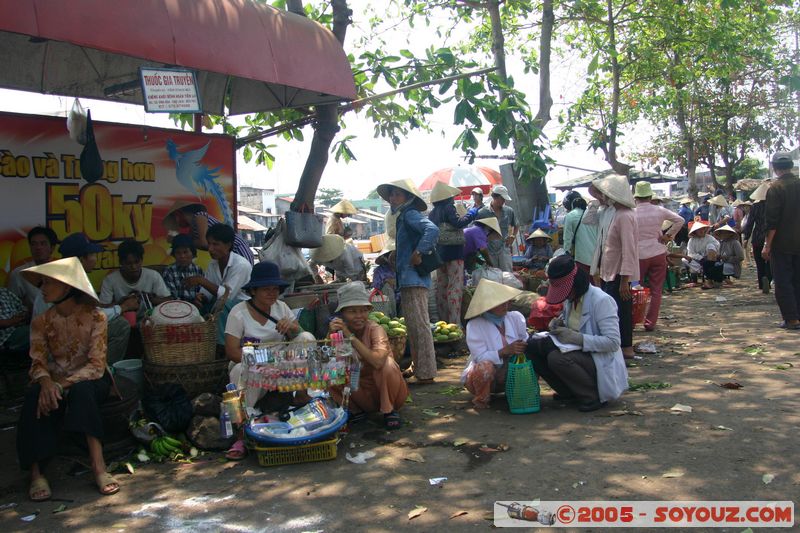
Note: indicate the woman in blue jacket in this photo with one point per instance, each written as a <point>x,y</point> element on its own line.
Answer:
<point>416,236</point>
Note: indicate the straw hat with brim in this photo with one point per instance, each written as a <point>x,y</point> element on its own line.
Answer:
<point>169,221</point>
<point>68,270</point>
<point>616,188</point>
<point>696,226</point>
<point>489,295</point>
<point>345,207</point>
<point>643,190</point>
<point>719,201</point>
<point>685,201</point>
<point>352,294</point>
<point>332,247</point>
<point>442,191</point>
<point>265,274</point>
<point>561,272</point>
<point>490,222</point>
<point>404,185</point>
<point>725,228</point>
<point>538,234</point>
<point>736,203</point>
<point>760,194</point>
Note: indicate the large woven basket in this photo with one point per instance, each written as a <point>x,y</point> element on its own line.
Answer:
<point>195,378</point>
<point>180,344</point>
<point>398,345</point>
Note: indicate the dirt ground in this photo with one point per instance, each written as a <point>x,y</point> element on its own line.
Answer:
<point>719,451</point>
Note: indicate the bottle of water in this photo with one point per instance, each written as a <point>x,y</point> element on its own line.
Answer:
<point>225,426</point>
<point>355,373</point>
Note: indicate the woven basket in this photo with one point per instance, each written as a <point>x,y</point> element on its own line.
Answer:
<point>195,378</point>
<point>180,344</point>
<point>398,345</point>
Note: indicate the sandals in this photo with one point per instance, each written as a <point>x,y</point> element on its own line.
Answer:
<point>106,484</point>
<point>237,452</point>
<point>392,421</point>
<point>40,485</point>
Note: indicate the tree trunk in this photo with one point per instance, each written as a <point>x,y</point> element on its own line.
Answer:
<point>327,124</point>
<point>610,146</point>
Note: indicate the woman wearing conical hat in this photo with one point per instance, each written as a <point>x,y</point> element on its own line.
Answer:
<point>340,211</point>
<point>539,251</point>
<point>494,334</point>
<point>731,253</point>
<point>701,253</point>
<point>68,371</point>
<point>450,277</point>
<point>755,230</point>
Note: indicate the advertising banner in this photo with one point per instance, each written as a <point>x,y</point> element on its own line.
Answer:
<point>146,170</point>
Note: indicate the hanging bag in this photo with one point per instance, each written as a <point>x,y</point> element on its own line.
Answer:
<point>91,162</point>
<point>380,302</point>
<point>289,258</point>
<point>522,386</point>
<point>449,235</point>
<point>303,228</point>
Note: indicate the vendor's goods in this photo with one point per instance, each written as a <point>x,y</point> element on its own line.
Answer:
<point>641,301</point>
<point>175,312</point>
<point>287,367</point>
<point>522,386</point>
<point>288,455</point>
<point>444,332</point>
<point>394,327</point>
<point>317,420</point>
<point>172,335</point>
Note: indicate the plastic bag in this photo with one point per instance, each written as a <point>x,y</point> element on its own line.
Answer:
<point>169,406</point>
<point>490,273</point>
<point>76,122</point>
<point>512,281</point>
<point>288,258</point>
<point>92,168</point>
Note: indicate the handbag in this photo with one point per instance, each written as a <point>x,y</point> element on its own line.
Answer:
<point>430,262</point>
<point>380,302</point>
<point>90,161</point>
<point>303,228</point>
<point>450,235</point>
<point>522,386</point>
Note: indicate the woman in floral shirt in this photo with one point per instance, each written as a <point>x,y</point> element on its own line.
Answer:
<point>68,371</point>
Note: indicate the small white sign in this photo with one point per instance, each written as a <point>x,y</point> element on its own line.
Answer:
<point>170,90</point>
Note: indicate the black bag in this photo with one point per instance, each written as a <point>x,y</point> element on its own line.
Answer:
<point>91,162</point>
<point>168,405</point>
<point>430,262</point>
<point>303,229</point>
<point>450,235</point>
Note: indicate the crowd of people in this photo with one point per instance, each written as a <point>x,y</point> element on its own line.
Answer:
<point>613,241</point>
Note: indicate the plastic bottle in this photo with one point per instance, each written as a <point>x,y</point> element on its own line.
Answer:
<point>225,426</point>
<point>355,373</point>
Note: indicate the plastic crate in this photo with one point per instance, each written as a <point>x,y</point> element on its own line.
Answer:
<point>304,453</point>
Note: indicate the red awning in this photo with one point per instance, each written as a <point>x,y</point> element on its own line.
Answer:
<point>264,57</point>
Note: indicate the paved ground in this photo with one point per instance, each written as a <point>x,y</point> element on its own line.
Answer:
<point>719,451</point>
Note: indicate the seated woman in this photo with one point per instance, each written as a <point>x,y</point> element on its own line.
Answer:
<point>493,335</point>
<point>381,387</point>
<point>594,373</point>
<point>731,253</point>
<point>539,250</point>
<point>68,371</point>
<point>262,319</point>
<point>701,255</point>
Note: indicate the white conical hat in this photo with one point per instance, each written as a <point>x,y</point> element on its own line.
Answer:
<point>617,188</point>
<point>685,201</point>
<point>344,207</point>
<point>69,271</point>
<point>726,228</point>
<point>332,247</point>
<point>489,295</point>
<point>760,194</point>
<point>490,222</point>
<point>719,201</point>
<point>442,191</point>
<point>698,225</point>
<point>404,185</point>
<point>538,234</point>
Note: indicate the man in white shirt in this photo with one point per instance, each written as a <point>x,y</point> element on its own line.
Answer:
<point>131,278</point>
<point>41,241</point>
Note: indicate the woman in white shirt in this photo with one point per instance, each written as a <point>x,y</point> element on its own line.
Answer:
<point>493,335</point>
<point>701,255</point>
<point>262,319</point>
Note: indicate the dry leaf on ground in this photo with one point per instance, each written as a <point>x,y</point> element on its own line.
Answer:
<point>457,514</point>
<point>414,456</point>
<point>417,511</point>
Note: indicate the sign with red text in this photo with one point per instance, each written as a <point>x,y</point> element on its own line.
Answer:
<point>169,90</point>
<point>146,170</point>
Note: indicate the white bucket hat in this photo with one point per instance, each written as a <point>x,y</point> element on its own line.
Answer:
<point>332,247</point>
<point>351,295</point>
<point>501,190</point>
<point>719,201</point>
<point>442,191</point>
<point>69,271</point>
<point>489,295</point>
<point>490,222</point>
<point>617,188</point>
<point>404,185</point>
<point>344,207</point>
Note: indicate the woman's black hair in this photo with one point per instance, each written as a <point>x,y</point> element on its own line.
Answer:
<point>581,284</point>
<point>80,297</point>
<point>579,203</point>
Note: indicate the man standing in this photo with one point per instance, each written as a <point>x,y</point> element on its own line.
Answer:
<point>499,249</point>
<point>477,198</point>
<point>41,241</point>
<point>782,245</point>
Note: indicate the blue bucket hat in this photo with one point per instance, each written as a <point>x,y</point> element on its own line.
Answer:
<point>183,241</point>
<point>78,245</point>
<point>265,274</point>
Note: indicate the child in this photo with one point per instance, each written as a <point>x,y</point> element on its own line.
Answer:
<point>184,252</point>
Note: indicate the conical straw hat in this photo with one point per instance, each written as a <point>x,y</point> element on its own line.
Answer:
<point>698,225</point>
<point>332,247</point>
<point>405,185</point>
<point>69,271</point>
<point>760,194</point>
<point>725,228</point>
<point>719,201</point>
<point>169,221</point>
<point>685,201</point>
<point>490,222</point>
<point>489,295</point>
<point>538,234</point>
<point>442,191</point>
<point>345,207</point>
<point>617,188</point>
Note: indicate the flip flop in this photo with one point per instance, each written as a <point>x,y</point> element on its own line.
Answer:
<point>392,421</point>
<point>40,484</point>
<point>237,452</point>
<point>103,481</point>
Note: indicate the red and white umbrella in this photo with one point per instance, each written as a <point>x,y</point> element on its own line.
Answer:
<point>465,178</point>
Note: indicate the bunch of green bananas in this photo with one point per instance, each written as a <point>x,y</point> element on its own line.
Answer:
<point>167,447</point>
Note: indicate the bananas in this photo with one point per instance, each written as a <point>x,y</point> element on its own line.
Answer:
<point>165,447</point>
